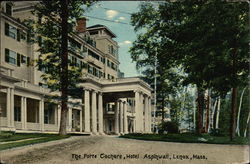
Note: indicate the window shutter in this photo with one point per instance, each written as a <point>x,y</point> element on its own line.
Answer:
<point>18,59</point>
<point>7,52</point>
<point>7,27</point>
<point>18,35</point>
<point>28,61</point>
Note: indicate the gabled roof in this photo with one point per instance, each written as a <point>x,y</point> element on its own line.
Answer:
<point>99,26</point>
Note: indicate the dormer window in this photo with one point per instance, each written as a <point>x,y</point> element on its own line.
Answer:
<point>8,9</point>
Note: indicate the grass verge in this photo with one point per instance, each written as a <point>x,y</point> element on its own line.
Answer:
<point>35,138</point>
<point>188,138</point>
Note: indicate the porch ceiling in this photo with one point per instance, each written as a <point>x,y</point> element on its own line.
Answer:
<point>112,96</point>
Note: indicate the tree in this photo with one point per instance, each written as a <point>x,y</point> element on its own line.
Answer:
<point>53,27</point>
<point>144,52</point>
<point>207,39</point>
<point>239,110</point>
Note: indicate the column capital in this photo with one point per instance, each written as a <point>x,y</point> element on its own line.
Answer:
<point>94,91</point>
<point>86,89</point>
<point>137,90</point>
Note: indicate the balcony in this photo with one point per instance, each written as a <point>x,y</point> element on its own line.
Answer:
<point>78,52</point>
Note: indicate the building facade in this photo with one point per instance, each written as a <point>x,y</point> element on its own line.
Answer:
<point>109,104</point>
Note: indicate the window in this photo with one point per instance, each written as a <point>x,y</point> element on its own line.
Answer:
<point>109,50</point>
<point>23,59</point>
<point>10,56</point>
<point>90,69</point>
<point>83,65</point>
<point>94,71</point>
<point>17,113</point>
<point>94,55</point>
<point>15,58</point>
<point>108,63</point>
<point>78,63</point>
<point>73,61</point>
<point>8,9</point>
<point>103,60</point>
<point>49,113</point>
<point>74,44</point>
<point>12,32</point>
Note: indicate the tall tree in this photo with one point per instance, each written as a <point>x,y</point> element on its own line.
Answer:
<point>55,23</point>
<point>64,15</point>
<point>208,39</point>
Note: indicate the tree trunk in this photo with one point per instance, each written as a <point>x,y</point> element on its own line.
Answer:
<point>248,118</point>
<point>64,66</point>
<point>217,115</point>
<point>234,99</point>
<point>238,117</point>
<point>194,113</point>
<point>183,106</point>
<point>207,113</point>
<point>213,116</point>
<point>233,114</point>
<point>200,110</point>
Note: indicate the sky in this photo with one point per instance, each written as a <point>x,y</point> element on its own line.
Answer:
<point>117,11</point>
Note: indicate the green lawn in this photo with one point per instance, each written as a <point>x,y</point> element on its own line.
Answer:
<point>35,138</point>
<point>188,138</point>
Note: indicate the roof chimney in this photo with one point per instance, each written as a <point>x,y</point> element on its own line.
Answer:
<point>81,25</point>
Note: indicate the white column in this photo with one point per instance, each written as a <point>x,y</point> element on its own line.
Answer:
<point>8,106</point>
<point>146,123</point>
<point>24,112</point>
<point>137,112</point>
<point>100,113</point>
<point>41,114</point>
<point>125,119</point>
<point>59,116</point>
<point>141,113</point>
<point>86,111</point>
<point>81,120</point>
<point>94,122</point>
<point>12,107</point>
<point>121,116</point>
<point>117,117</point>
<point>70,119</point>
<point>149,115</point>
<point>134,126</point>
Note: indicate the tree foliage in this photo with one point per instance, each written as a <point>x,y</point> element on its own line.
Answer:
<point>207,39</point>
<point>54,24</point>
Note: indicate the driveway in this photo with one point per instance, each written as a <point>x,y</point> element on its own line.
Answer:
<point>113,150</point>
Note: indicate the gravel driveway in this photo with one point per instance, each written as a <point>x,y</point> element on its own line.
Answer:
<point>113,150</point>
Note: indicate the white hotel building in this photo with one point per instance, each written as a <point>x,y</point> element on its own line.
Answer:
<point>109,104</point>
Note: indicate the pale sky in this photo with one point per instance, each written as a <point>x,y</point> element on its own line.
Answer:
<point>117,11</point>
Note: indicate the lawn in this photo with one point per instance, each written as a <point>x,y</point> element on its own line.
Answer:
<point>188,138</point>
<point>14,139</point>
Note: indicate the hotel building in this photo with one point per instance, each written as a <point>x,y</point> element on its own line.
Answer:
<point>109,104</point>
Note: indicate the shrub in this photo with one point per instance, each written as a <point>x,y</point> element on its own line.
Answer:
<point>216,132</point>
<point>172,127</point>
<point>6,135</point>
<point>169,126</point>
